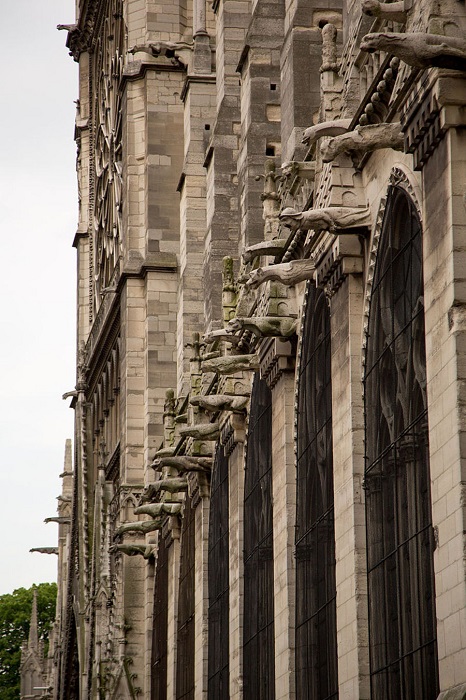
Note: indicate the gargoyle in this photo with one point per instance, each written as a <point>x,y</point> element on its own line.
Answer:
<point>305,169</point>
<point>69,394</point>
<point>220,402</point>
<point>364,139</point>
<point>61,519</point>
<point>132,550</point>
<point>394,11</point>
<point>165,452</point>
<point>232,364</point>
<point>45,550</point>
<point>273,247</point>
<point>265,326</point>
<point>157,509</point>
<point>201,431</point>
<point>184,463</point>
<point>328,219</point>
<point>335,127</point>
<point>143,527</point>
<point>419,50</point>
<point>180,51</point>
<point>289,273</point>
<point>172,484</point>
<point>220,334</point>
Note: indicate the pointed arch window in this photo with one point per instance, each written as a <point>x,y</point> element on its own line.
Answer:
<point>219,608</point>
<point>185,636</point>
<point>316,643</point>
<point>258,648</point>
<point>403,650</point>
<point>160,622</point>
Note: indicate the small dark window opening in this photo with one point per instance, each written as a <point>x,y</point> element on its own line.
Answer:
<point>219,604</point>
<point>270,150</point>
<point>159,625</point>
<point>402,620</point>
<point>207,127</point>
<point>273,86</point>
<point>185,640</point>
<point>316,630</point>
<point>258,631</point>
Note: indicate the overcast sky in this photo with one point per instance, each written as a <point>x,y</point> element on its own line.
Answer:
<point>38,217</point>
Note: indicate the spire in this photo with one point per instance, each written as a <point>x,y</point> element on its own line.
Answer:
<point>33,642</point>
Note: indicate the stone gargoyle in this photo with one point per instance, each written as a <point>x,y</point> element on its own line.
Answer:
<point>157,509</point>
<point>394,11</point>
<point>60,519</point>
<point>364,139</point>
<point>184,463</point>
<point>328,219</point>
<point>45,550</point>
<point>220,402</point>
<point>165,452</point>
<point>418,49</point>
<point>179,51</point>
<point>289,273</point>
<point>133,550</point>
<point>231,364</point>
<point>202,431</point>
<point>273,247</point>
<point>335,127</point>
<point>220,334</point>
<point>142,527</point>
<point>173,484</point>
<point>265,326</point>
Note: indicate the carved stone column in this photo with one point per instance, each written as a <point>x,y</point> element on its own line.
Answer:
<point>232,441</point>
<point>171,534</point>
<point>434,123</point>
<point>339,270</point>
<point>277,368</point>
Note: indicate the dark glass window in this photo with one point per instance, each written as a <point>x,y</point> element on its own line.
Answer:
<point>403,650</point>
<point>185,640</point>
<point>316,638</point>
<point>258,649</point>
<point>159,629</point>
<point>218,669</point>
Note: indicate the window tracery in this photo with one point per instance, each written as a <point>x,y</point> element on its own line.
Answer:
<point>403,650</point>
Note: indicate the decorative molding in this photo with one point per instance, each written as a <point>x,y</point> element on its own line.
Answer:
<point>345,256</point>
<point>276,358</point>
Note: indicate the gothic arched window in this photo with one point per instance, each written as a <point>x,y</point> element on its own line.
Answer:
<point>316,642</point>
<point>219,608</point>
<point>159,629</point>
<point>403,650</point>
<point>185,637</point>
<point>258,647</point>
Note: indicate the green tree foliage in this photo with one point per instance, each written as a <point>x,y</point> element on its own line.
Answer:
<point>15,616</point>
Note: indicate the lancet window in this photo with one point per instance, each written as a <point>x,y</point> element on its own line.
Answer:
<point>219,608</point>
<point>403,652</point>
<point>160,621</point>
<point>258,649</point>
<point>185,636</point>
<point>316,643</point>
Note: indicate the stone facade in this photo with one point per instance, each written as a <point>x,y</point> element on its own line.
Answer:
<point>334,389</point>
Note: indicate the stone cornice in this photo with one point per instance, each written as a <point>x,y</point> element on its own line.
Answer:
<point>343,256</point>
<point>277,357</point>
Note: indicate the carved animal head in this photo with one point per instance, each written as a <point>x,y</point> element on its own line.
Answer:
<point>234,325</point>
<point>290,218</point>
<point>377,42</point>
<point>255,278</point>
<point>371,8</point>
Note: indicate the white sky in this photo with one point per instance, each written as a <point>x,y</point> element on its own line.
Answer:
<point>38,217</point>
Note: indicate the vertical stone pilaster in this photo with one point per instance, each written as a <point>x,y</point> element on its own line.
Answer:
<point>279,373</point>
<point>172,536</point>
<point>348,472</point>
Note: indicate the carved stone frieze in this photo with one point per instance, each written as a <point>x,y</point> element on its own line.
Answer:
<point>418,49</point>
<point>289,273</point>
<point>276,359</point>
<point>364,139</point>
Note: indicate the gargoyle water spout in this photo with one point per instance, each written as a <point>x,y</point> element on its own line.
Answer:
<point>364,139</point>
<point>328,219</point>
<point>220,402</point>
<point>157,509</point>
<point>289,273</point>
<point>419,50</point>
<point>265,326</point>
<point>184,463</point>
<point>232,364</point>
<point>273,247</point>
<point>172,484</point>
